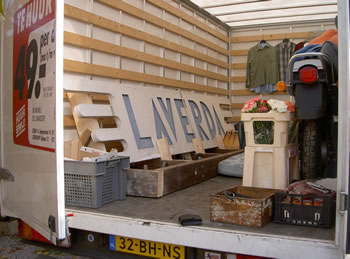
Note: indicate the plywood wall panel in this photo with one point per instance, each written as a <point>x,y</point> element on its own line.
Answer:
<point>106,11</point>
<point>172,37</point>
<point>200,64</point>
<point>171,18</point>
<point>103,59</point>
<point>186,60</point>
<point>153,70</point>
<point>171,73</point>
<point>212,68</point>
<point>137,3</point>
<point>200,32</point>
<point>212,83</point>
<point>154,50</point>
<point>172,55</point>
<point>76,27</point>
<point>131,43</point>
<point>105,35</point>
<point>186,77</point>
<point>131,21</point>
<point>199,80</point>
<point>200,48</point>
<point>153,29</point>
<point>153,10</point>
<point>131,65</point>
<point>76,53</point>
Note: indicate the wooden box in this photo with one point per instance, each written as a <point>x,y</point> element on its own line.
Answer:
<point>156,177</point>
<point>242,205</point>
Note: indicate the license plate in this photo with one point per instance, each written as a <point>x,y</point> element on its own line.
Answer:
<point>146,248</point>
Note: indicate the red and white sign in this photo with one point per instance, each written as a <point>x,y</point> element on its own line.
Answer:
<point>34,75</point>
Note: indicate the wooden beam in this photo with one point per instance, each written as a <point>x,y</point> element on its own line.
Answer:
<point>113,49</point>
<point>68,121</point>
<point>233,119</point>
<point>239,52</point>
<point>249,93</point>
<point>220,142</point>
<point>198,146</point>
<point>96,98</point>
<point>238,79</point>
<point>109,72</point>
<point>140,14</point>
<point>237,105</point>
<point>184,16</point>
<point>239,66</point>
<point>107,24</point>
<point>163,149</point>
<point>233,106</point>
<point>279,36</point>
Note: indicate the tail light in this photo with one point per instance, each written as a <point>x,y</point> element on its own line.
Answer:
<point>308,74</point>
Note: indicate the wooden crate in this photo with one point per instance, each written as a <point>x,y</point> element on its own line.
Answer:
<point>156,177</point>
<point>252,210</point>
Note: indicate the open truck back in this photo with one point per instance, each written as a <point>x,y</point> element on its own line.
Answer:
<point>147,69</point>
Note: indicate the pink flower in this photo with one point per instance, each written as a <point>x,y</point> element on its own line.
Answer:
<point>264,109</point>
<point>257,99</point>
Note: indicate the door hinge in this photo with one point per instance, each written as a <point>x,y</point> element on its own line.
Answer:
<point>343,205</point>
<point>6,175</point>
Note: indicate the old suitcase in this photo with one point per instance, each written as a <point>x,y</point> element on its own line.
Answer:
<point>242,205</point>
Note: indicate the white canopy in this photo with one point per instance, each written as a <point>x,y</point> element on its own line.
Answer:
<point>240,13</point>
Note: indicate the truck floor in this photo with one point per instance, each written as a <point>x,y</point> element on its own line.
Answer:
<point>196,200</point>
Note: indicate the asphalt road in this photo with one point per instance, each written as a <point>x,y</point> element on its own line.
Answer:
<point>13,247</point>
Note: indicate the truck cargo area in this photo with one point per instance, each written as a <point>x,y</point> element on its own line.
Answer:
<point>152,212</point>
<point>171,88</point>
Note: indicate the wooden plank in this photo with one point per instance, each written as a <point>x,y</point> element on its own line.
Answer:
<point>219,140</point>
<point>84,125</point>
<point>239,52</point>
<point>239,66</point>
<point>247,92</point>
<point>109,72</point>
<point>140,14</point>
<point>68,121</point>
<point>233,119</point>
<point>278,36</point>
<point>184,16</point>
<point>163,149</point>
<point>238,79</point>
<point>144,183</point>
<point>237,105</point>
<point>198,146</point>
<point>109,48</point>
<point>90,18</point>
<point>96,98</point>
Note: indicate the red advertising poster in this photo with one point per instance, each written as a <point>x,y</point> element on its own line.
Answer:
<point>34,80</point>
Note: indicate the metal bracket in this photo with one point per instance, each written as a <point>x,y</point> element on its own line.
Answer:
<point>343,205</point>
<point>6,175</point>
